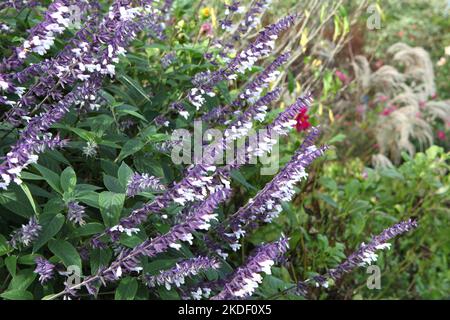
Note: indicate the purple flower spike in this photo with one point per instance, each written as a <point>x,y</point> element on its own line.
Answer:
<point>44,269</point>
<point>176,276</point>
<point>364,256</point>
<point>246,279</point>
<point>140,182</point>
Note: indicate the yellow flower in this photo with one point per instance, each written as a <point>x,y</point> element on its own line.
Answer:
<point>205,12</point>
<point>316,63</point>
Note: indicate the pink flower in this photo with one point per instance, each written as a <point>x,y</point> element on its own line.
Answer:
<point>360,109</point>
<point>341,76</point>
<point>387,111</point>
<point>382,98</point>
<point>441,135</point>
<point>206,29</point>
<point>422,104</point>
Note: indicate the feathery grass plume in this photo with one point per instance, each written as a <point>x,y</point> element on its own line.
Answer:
<point>412,113</point>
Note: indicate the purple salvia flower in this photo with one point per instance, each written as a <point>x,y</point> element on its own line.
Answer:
<point>176,276</point>
<point>199,180</point>
<point>258,49</point>
<point>247,278</point>
<point>18,4</point>
<point>161,121</point>
<point>42,36</point>
<point>266,205</point>
<point>96,57</point>
<point>129,260</point>
<point>24,151</point>
<point>34,139</point>
<point>364,256</point>
<point>76,213</point>
<point>226,23</point>
<point>168,59</point>
<point>252,16</point>
<point>44,269</point>
<point>26,234</point>
<point>140,182</point>
<point>253,90</point>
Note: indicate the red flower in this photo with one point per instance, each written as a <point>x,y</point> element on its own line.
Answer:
<point>302,121</point>
<point>441,135</point>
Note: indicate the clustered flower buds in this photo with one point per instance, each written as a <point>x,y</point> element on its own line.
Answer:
<point>26,234</point>
<point>44,269</point>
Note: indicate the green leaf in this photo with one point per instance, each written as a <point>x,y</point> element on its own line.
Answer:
<point>130,110</point>
<point>51,224</point>
<point>88,229</point>
<point>11,263</point>
<point>49,176</point>
<point>22,280</point>
<point>111,205</point>
<point>17,295</point>
<point>127,289</point>
<point>124,173</point>
<point>16,200</point>
<point>68,179</point>
<point>4,246</point>
<point>237,175</point>
<point>99,258</point>
<point>27,192</point>
<point>337,138</point>
<point>112,184</point>
<point>66,252</point>
<point>129,148</point>
<point>130,83</point>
